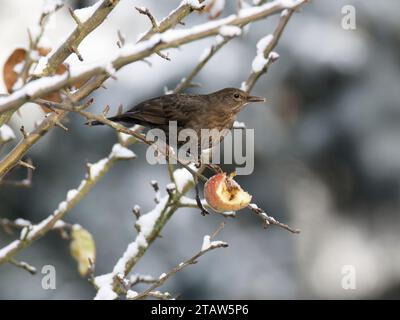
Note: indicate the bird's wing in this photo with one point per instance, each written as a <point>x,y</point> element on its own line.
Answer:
<point>159,111</point>
<point>148,112</point>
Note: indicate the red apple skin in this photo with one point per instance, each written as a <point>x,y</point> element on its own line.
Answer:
<point>215,200</point>
<point>210,191</point>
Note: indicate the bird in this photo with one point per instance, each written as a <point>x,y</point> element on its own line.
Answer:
<point>216,110</point>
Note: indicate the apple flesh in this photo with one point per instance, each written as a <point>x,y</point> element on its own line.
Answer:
<point>223,194</point>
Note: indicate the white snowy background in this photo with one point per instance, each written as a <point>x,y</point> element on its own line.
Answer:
<point>327,159</point>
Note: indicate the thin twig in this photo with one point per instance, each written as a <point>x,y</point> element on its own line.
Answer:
<point>82,30</point>
<point>24,265</point>
<point>165,276</point>
<point>255,75</point>
<point>146,12</point>
<point>72,198</point>
<point>268,220</point>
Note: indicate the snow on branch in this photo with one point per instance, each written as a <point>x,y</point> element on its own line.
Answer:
<point>207,246</point>
<point>94,174</point>
<point>268,220</point>
<point>149,226</point>
<point>90,18</point>
<point>174,18</point>
<point>265,56</point>
<point>6,134</point>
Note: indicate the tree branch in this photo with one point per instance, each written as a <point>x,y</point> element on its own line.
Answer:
<point>268,220</point>
<point>82,30</point>
<point>95,172</point>
<point>206,247</point>
<point>274,38</point>
<point>108,286</point>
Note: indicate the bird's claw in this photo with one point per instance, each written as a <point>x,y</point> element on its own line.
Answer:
<point>204,211</point>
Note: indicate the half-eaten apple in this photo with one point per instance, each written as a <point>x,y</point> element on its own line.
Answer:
<point>223,194</point>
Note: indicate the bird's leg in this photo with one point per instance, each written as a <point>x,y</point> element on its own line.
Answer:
<point>203,210</point>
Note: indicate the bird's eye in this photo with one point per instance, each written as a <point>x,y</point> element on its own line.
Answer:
<point>236,96</point>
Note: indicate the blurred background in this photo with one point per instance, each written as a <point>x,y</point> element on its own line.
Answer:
<point>327,159</point>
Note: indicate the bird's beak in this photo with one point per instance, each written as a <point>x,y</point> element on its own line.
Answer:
<point>255,99</point>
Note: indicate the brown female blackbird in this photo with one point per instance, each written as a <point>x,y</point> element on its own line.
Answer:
<point>216,110</point>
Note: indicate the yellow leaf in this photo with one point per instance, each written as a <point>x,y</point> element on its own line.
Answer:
<point>83,249</point>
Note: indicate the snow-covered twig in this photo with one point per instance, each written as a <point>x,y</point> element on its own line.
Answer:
<point>14,157</point>
<point>9,225</point>
<point>140,278</point>
<point>82,30</point>
<point>265,56</point>
<point>32,55</point>
<point>95,172</point>
<point>149,226</point>
<point>56,58</point>
<point>268,220</point>
<point>207,246</point>
<point>146,12</point>
<point>174,18</point>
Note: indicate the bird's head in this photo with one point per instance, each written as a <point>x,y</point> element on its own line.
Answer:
<point>235,99</point>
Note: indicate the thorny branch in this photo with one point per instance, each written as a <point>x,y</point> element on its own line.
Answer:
<point>82,30</point>
<point>55,59</point>
<point>95,172</point>
<point>268,220</point>
<point>32,53</point>
<point>255,75</point>
<point>206,247</point>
